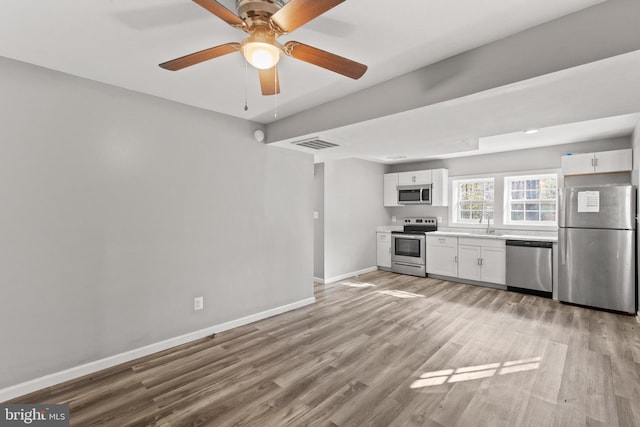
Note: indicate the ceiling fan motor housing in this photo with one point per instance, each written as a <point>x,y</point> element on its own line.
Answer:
<point>257,12</point>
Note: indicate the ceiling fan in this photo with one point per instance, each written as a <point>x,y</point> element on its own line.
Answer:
<point>265,21</point>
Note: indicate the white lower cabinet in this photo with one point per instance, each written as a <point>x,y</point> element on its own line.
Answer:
<point>384,249</point>
<point>494,265</point>
<point>482,259</point>
<point>442,255</point>
<point>469,265</point>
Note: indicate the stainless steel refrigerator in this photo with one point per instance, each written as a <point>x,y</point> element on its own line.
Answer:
<point>597,239</point>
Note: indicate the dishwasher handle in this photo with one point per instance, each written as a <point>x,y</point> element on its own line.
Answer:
<point>529,243</point>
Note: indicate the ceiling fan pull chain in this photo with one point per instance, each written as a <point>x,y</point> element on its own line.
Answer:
<point>246,80</point>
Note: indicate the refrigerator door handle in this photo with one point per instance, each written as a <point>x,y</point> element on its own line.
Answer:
<point>562,245</point>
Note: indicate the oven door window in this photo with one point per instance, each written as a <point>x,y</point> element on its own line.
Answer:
<point>407,247</point>
<point>409,195</point>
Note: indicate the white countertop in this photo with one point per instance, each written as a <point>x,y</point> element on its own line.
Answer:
<point>501,235</point>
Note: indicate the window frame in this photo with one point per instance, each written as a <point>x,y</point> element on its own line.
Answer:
<point>506,211</point>
<point>455,211</point>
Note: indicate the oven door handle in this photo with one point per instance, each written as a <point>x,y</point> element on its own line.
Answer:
<point>408,236</point>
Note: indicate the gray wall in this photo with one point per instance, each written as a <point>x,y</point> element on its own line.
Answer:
<point>119,208</point>
<point>353,209</point>
<point>318,224</point>
<point>510,161</point>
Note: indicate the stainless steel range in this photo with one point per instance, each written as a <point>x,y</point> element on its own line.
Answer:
<point>408,247</point>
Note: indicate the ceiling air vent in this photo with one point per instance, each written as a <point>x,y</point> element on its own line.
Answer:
<point>315,144</point>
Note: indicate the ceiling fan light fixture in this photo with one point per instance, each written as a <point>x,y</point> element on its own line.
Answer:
<point>261,55</point>
<point>260,49</point>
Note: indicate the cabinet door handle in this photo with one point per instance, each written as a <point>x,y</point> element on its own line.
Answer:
<point>596,159</point>
<point>455,259</point>
<point>479,261</point>
<point>593,162</point>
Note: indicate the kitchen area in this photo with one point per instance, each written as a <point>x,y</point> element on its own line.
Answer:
<point>566,233</point>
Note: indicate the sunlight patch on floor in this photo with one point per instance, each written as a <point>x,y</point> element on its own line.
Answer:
<point>358,284</point>
<point>400,294</point>
<point>469,373</point>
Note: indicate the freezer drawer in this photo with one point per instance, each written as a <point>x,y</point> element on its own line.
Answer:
<point>529,265</point>
<point>596,268</point>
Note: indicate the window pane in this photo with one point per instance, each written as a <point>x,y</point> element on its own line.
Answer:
<point>548,194</point>
<point>548,216</point>
<point>517,216</point>
<point>532,216</point>
<point>533,184</point>
<point>473,199</point>
<point>531,199</point>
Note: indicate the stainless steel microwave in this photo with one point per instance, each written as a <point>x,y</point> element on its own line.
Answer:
<point>414,195</point>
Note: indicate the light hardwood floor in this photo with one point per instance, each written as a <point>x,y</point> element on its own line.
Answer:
<point>384,350</point>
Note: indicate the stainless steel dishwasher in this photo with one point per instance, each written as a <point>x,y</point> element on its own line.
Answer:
<point>529,267</point>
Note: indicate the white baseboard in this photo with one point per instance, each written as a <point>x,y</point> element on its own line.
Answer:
<point>318,280</point>
<point>36,384</point>
<point>348,275</point>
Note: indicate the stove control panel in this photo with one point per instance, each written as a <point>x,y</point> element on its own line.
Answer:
<point>421,221</point>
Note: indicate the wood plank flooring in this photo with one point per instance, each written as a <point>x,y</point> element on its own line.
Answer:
<point>383,350</point>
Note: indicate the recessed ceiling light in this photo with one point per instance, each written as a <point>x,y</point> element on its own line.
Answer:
<point>531,131</point>
<point>396,157</point>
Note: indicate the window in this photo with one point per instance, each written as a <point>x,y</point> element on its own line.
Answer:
<point>531,200</point>
<point>473,198</point>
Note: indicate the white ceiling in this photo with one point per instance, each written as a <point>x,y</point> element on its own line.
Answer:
<point>121,42</point>
<point>577,104</point>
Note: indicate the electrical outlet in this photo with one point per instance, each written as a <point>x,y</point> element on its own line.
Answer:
<point>439,220</point>
<point>393,218</point>
<point>198,303</point>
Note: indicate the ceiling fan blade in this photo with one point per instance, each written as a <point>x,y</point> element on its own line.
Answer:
<point>296,13</point>
<point>198,57</point>
<point>222,12</point>
<point>269,81</point>
<point>325,59</point>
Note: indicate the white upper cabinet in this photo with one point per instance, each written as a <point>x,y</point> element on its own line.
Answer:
<point>438,178</point>
<point>440,187</point>
<point>390,195</point>
<point>414,177</point>
<point>601,162</point>
<point>614,161</point>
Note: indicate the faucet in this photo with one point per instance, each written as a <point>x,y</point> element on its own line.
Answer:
<point>488,216</point>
